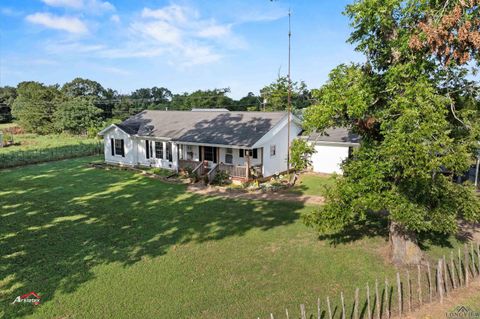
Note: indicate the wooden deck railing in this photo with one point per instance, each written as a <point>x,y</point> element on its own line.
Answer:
<point>234,170</point>
<point>213,171</point>
<point>183,164</point>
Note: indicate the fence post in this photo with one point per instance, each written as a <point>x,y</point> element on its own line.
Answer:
<point>303,311</point>
<point>419,285</point>
<point>452,271</point>
<point>378,305</point>
<point>466,265</point>
<point>474,270</point>
<point>344,315</point>
<point>429,274</point>
<point>409,290</point>
<point>329,308</point>
<point>478,256</point>
<point>387,299</point>
<point>286,312</point>
<point>369,310</point>
<point>460,269</point>
<point>319,312</point>
<point>445,275</point>
<point>355,306</point>
<point>439,280</point>
<point>399,285</point>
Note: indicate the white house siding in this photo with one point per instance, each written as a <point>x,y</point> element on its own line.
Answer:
<point>240,161</point>
<point>153,161</point>
<point>327,159</point>
<point>129,144</point>
<point>273,165</point>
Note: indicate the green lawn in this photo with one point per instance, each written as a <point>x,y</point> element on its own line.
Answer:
<point>312,184</point>
<point>113,244</point>
<point>42,142</point>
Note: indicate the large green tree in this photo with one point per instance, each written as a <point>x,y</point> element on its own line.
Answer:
<point>77,115</point>
<point>7,96</point>
<point>34,106</point>
<point>202,99</point>
<point>409,104</point>
<point>275,95</point>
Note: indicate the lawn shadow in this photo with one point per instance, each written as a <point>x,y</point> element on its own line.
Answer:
<point>374,225</point>
<point>60,220</point>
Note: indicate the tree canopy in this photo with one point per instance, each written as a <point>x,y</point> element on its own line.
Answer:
<point>417,114</point>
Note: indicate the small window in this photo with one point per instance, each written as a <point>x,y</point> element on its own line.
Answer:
<point>255,153</point>
<point>229,156</point>
<point>148,149</point>
<point>169,151</point>
<point>273,150</point>
<point>119,147</point>
<point>189,152</point>
<point>159,150</point>
<point>240,153</point>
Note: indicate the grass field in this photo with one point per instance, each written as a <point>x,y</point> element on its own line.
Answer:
<point>312,184</point>
<point>25,142</point>
<point>113,244</point>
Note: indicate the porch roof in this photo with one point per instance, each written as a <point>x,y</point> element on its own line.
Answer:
<point>204,127</point>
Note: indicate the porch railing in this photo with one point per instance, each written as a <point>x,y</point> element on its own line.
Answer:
<point>234,170</point>
<point>184,164</point>
<point>213,171</point>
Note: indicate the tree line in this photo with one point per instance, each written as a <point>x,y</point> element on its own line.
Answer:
<point>84,106</point>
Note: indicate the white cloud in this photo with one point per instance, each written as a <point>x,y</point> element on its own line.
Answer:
<point>76,4</point>
<point>214,31</point>
<point>65,23</point>
<point>10,12</point>
<point>183,34</point>
<point>115,18</point>
<point>93,6</point>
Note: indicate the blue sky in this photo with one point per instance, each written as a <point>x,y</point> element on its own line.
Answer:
<point>182,45</point>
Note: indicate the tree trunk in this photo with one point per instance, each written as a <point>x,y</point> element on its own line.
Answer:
<point>404,246</point>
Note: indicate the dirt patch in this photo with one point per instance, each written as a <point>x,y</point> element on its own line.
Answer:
<point>457,298</point>
<point>240,194</point>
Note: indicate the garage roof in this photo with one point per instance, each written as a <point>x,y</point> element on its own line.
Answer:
<point>335,135</point>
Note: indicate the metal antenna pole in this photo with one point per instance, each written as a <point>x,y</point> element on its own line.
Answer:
<point>289,99</point>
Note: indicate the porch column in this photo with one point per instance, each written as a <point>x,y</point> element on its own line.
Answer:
<point>174,156</point>
<point>248,163</point>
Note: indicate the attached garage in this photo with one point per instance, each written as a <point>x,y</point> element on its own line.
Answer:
<point>331,149</point>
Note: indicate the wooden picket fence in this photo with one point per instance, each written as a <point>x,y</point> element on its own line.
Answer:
<point>416,287</point>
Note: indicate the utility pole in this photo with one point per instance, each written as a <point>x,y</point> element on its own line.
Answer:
<point>289,99</point>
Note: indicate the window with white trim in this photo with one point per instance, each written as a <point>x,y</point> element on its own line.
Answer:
<point>228,156</point>
<point>159,150</point>
<point>273,150</point>
<point>119,147</point>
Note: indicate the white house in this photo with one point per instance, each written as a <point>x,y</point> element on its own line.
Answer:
<point>241,143</point>
<point>331,149</point>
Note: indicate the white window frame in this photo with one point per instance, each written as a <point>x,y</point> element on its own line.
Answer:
<point>273,150</point>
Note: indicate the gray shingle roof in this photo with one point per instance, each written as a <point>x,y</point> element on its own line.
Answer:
<point>205,127</point>
<point>335,135</point>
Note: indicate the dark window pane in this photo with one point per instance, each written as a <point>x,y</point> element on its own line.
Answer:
<point>118,147</point>
<point>209,154</point>
<point>159,149</point>
<point>169,151</point>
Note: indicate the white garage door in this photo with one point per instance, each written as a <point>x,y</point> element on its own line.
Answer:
<point>327,159</point>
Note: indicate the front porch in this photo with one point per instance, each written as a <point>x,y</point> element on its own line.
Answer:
<point>239,164</point>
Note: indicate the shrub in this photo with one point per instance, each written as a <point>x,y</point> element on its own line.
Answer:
<point>221,178</point>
